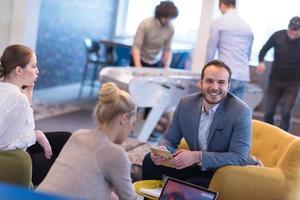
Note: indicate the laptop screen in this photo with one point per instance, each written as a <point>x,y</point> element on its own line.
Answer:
<point>179,190</point>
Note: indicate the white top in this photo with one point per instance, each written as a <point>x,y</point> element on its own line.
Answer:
<point>16,119</point>
<point>232,38</point>
<point>90,166</point>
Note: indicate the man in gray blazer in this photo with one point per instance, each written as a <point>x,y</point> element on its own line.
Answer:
<point>216,125</point>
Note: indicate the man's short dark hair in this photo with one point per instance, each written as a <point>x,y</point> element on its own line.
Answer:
<point>295,23</point>
<point>228,3</point>
<point>166,9</point>
<point>217,63</point>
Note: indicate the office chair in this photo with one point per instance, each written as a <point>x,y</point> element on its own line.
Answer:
<point>95,58</point>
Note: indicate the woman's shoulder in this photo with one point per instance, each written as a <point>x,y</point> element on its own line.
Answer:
<point>14,101</point>
<point>81,131</point>
<point>97,142</point>
<point>112,153</point>
<point>12,95</point>
<point>116,149</point>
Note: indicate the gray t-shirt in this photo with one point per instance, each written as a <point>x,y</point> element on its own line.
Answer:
<point>152,39</point>
<point>90,167</point>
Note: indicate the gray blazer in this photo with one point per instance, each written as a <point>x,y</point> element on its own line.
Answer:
<point>229,136</point>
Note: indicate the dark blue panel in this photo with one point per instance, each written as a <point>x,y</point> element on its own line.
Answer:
<point>123,56</point>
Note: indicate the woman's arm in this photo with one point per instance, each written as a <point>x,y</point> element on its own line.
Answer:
<point>118,173</point>
<point>43,141</point>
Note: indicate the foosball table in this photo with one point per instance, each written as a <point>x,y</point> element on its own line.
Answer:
<point>157,88</point>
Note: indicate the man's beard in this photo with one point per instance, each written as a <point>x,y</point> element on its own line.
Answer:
<point>219,94</point>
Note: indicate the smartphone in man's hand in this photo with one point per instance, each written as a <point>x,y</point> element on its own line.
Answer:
<point>163,153</point>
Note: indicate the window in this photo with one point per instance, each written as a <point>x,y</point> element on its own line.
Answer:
<point>186,24</point>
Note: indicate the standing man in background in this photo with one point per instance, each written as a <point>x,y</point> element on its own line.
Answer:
<point>152,41</point>
<point>232,37</point>
<point>285,73</point>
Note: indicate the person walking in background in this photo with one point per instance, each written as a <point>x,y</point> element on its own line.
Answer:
<point>284,78</point>
<point>92,165</point>
<point>232,38</point>
<point>18,68</point>
<point>152,41</point>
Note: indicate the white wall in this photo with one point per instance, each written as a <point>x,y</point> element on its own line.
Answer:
<point>24,23</point>
<point>19,22</point>
<point>5,22</point>
<point>199,51</point>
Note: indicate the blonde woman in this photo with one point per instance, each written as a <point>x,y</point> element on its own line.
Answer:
<point>92,165</point>
<point>18,73</point>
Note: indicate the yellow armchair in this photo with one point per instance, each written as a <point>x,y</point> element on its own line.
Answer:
<point>279,179</point>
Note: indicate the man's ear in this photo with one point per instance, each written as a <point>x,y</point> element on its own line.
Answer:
<point>200,84</point>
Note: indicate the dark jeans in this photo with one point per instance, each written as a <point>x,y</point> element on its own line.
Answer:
<point>286,92</point>
<point>41,165</point>
<point>144,64</point>
<point>238,88</point>
<point>193,174</point>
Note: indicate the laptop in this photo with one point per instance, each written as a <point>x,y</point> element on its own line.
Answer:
<point>180,190</point>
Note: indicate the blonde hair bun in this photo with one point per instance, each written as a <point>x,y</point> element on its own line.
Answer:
<point>112,101</point>
<point>109,93</point>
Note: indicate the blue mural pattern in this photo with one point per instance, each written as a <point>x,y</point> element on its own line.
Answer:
<point>63,25</point>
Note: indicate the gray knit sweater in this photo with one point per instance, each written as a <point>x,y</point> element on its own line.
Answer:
<point>90,167</point>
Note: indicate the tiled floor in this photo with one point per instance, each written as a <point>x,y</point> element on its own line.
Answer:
<point>77,113</point>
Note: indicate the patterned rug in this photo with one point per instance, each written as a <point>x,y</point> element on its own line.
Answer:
<point>136,151</point>
<point>42,111</point>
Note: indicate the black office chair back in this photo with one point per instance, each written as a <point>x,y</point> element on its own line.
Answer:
<point>109,53</point>
<point>97,55</point>
<point>92,50</point>
<point>91,46</point>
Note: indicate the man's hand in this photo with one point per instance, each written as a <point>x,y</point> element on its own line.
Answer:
<point>185,158</point>
<point>157,159</point>
<point>261,68</point>
<point>43,141</point>
<point>136,56</point>
<point>166,59</point>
